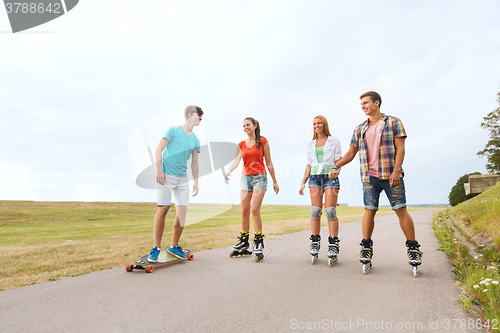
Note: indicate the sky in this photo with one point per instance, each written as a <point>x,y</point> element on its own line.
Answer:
<point>80,96</point>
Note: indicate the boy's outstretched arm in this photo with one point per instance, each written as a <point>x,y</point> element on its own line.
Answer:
<point>347,158</point>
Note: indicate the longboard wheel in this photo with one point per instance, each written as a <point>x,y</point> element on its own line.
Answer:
<point>415,270</point>
<point>190,257</point>
<point>149,268</point>
<point>129,268</point>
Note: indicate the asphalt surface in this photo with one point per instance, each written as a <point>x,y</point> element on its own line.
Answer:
<point>283,293</point>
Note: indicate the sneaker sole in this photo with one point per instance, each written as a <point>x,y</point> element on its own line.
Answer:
<point>176,255</point>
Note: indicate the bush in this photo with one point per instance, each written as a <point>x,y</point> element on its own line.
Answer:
<point>457,194</point>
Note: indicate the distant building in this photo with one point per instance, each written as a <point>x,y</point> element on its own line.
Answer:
<point>480,183</point>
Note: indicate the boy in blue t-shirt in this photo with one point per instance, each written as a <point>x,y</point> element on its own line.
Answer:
<point>174,150</point>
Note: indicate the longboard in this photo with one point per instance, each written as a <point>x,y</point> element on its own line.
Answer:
<point>163,258</point>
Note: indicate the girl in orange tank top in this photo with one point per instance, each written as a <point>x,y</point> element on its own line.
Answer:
<point>256,156</point>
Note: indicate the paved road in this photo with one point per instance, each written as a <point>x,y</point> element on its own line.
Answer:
<point>284,293</point>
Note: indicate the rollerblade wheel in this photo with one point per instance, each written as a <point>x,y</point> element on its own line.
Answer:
<point>259,257</point>
<point>332,261</point>
<point>313,259</point>
<point>366,267</point>
<point>415,270</point>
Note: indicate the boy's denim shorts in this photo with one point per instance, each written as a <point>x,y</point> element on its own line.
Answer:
<point>323,182</point>
<point>373,188</point>
<point>251,182</point>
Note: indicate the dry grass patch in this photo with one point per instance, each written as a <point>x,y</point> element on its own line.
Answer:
<point>46,241</point>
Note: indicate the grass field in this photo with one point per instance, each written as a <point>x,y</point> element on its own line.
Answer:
<point>46,241</point>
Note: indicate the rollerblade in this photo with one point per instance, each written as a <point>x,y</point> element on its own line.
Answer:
<point>241,248</point>
<point>333,250</point>
<point>315,246</point>
<point>366,254</point>
<point>414,255</point>
<point>258,246</point>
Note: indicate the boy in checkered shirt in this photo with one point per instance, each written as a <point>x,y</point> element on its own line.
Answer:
<point>380,141</point>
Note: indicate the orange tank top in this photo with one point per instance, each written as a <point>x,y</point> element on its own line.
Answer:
<point>253,158</point>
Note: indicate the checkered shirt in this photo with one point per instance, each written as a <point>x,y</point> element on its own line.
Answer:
<point>390,128</point>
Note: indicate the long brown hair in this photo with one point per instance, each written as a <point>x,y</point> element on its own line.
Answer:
<point>257,131</point>
<point>326,129</point>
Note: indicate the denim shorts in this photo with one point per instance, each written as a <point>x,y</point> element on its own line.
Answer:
<point>323,182</point>
<point>373,188</point>
<point>251,182</point>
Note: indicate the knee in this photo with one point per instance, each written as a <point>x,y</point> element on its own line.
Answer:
<point>162,210</point>
<point>255,211</point>
<point>181,211</point>
<point>369,213</point>
<point>245,211</point>
<point>331,213</point>
<point>315,212</point>
<point>403,214</point>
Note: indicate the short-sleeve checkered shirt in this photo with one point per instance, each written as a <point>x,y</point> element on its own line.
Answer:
<point>392,128</point>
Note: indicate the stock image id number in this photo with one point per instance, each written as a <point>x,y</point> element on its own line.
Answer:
<point>470,324</point>
<point>24,7</point>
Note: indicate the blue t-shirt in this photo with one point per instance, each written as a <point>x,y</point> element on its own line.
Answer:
<point>178,150</point>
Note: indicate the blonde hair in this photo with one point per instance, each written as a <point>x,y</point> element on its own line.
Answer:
<point>326,129</point>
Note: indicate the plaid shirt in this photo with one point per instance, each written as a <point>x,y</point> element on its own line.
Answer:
<point>391,128</point>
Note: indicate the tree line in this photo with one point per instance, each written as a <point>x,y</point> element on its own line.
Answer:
<point>491,151</point>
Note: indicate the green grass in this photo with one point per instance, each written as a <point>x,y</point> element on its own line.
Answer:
<point>479,275</point>
<point>482,213</point>
<point>46,241</point>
